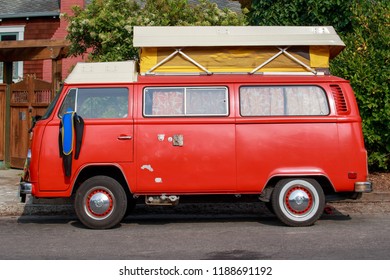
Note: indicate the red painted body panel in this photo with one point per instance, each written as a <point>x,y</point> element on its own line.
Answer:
<point>231,154</point>
<point>205,163</point>
<point>300,148</point>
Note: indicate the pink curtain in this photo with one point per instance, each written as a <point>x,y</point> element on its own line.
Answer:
<point>168,103</point>
<point>279,101</point>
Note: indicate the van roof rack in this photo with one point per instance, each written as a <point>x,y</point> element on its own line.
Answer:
<point>221,49</point>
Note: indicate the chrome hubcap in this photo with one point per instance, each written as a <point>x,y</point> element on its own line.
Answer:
<point>99,203</point>
<point>298,200</point>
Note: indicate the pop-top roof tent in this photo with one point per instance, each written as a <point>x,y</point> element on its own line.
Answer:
<point>236,49</point>
<point>219,49</point>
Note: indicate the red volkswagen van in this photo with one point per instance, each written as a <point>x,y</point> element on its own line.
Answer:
<point>114,134</point>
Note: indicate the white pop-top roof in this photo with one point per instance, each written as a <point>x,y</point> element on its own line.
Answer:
<point>202,36</point>
<point>103,72</point>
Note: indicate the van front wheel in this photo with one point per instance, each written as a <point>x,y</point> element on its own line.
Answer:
<point>298,202</point>
<point>100,202</point>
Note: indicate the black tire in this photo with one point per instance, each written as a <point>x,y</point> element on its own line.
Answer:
<point>298,202</point>
<point>100,202</point>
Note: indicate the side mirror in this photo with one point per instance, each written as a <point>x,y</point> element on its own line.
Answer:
<point>33,122</point>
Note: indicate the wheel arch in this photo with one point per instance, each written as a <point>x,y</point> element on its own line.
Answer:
<point>112,171</point>
<point>322,179</point>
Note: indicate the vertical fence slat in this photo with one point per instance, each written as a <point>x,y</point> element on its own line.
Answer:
<point>2,120</point>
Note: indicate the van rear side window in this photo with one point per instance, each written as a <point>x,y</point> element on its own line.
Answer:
<point>97,103</point>
<point>185,101</point>
<point>283,101</point>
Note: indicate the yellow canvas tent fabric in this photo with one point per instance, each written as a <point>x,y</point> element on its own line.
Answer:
<point>319,56</point>
<point>233,59</point>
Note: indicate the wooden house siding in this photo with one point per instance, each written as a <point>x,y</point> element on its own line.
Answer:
<point>35,29</point>
<point>45,28</point>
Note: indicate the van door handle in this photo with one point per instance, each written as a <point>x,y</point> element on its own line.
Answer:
<point>125,137</point>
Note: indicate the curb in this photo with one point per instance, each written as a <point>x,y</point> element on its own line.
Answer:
<point>22,209</point>
<point>369,203</point>
<point>374,197</point>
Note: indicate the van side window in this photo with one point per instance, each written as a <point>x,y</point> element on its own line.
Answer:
<point>283,101</point>
<point>69,103</point>
<point>97,103</point>
<point>185,101</point>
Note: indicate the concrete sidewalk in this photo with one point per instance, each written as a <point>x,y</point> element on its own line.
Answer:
<point>10,205</point>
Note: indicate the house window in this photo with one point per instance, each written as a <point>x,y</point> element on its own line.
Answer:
<point>12,33</point>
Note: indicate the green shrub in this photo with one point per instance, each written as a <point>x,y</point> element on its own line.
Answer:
<point>104,29</point>
<point>364,27</point>
<point>365,62</point>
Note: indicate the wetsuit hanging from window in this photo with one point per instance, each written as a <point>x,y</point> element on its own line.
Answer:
<point>70,139</point>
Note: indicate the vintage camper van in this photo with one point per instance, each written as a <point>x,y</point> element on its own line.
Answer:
<point>207,111</point>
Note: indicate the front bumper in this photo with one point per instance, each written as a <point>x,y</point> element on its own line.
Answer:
<point>25,188</point>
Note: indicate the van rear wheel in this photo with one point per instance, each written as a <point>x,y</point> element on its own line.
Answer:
<point>100,202</point>
<point>298,202</point>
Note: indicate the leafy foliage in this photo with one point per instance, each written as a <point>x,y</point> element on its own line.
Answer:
<point>364,27</point>
<point>302,12</point>
<point>366,63</point>
<point>105,27</point>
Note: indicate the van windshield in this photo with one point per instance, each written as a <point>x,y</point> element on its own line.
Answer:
<point>52,105</point>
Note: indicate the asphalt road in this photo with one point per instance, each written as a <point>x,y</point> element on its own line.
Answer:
<point>201,237</point>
